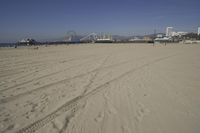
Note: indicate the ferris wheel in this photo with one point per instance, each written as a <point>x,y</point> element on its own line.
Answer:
<point>70,36</point>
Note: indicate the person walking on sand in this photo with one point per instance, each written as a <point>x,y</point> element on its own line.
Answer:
<point>15,45</point>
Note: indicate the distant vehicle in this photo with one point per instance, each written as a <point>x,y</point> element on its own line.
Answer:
<point>162,40</point>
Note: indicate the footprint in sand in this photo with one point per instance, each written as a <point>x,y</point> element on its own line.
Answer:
<point>111,109</point>
<point>100,117</point>
<point>125,129</point>
<point>10,127</point>
<point>56,124</point>
<point>141,112</point>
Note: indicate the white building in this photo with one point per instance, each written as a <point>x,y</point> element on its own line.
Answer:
<point>169,31</point>
<point>159,36</point>
<point>198,31</point>
<point>180,33</point>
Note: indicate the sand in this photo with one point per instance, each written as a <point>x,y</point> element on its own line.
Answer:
<point>100,88</point>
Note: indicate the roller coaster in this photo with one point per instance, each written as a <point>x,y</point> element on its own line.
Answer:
<point>92,37</point>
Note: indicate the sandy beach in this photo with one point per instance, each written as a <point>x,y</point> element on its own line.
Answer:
<point>100,88</point>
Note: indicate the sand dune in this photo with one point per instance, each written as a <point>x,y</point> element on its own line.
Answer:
<point>115,88</point>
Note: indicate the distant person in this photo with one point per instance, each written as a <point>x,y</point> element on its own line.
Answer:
<point>15,45</point>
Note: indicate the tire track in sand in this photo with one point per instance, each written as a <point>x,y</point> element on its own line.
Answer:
<point>95,75</point>
<point>38,78</point>
<point>43,67</point>
<point>72,104</point>
<point>39,62</point>
<point>9,99</point>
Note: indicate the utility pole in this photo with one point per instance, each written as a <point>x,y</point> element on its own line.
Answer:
<point>154,33</point>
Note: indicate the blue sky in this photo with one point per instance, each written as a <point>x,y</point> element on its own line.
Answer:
<point>52,19</point>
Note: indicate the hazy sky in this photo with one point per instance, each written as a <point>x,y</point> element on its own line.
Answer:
<point>52,19</point>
